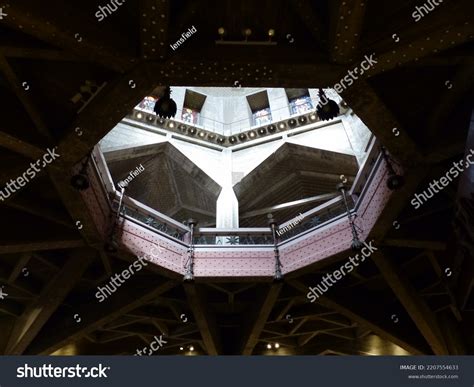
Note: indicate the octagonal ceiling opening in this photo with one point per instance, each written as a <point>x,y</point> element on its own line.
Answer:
<point>232,156</point>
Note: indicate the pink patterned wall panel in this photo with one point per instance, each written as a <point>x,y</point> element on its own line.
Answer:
<point>156,248</point>
<point>315,246</point>
<point>245,261</point>
<point>234,262</point>
<point>96,201</point>
<point>375,200</point>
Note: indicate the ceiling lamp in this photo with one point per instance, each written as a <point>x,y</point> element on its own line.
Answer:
<point>242,137</point>
<point>356,244</point>
<point>292,123</point>
<point>221,32</point>
<point>252,134</point>
<point>202,134</point>
<point>191,348</point>
<point>281,126</point>
<point>232,139</point>
<point>247,32</point>
<point>171,125</point>
<point>302,120</point>
<point>192,131</point>
<point>277,345</point>
<point>165,107</point>
<point>269,346</point>
<point>271,34</point>
<point>272,128</point>
<point>221,140</point>
<point>394,180</point>
<point>327,108</point>
<point>150,117</point>
<point>139,116</point>
<point>182,127</point>
<point>261,131</point>
<point>313,117</point>
<point>211,136</point>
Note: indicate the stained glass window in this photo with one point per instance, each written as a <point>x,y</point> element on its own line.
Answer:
<point>301,105</point>
<point>190,115</point>
<point>262,117</point>
<point>148,104</point>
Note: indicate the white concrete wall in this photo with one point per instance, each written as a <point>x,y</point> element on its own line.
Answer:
<point>226,111</point>
<point>332,138</point>
<point>124,136</point>
<point>358,134</point>
<point>278,104</point>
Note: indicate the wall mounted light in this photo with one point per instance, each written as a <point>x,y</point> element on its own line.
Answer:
<point>394,181</point>
<point>80,180</point>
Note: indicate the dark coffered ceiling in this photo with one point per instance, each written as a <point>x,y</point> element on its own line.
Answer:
<point>421,85</point>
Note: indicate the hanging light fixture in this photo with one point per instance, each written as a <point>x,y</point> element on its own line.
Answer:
<point>165,107</point>
<point>356,244</point>
<point>189,273</point>
<point>278,276</point>
<point>394,181</point>
<point>80,180</point>
<point>327,109</point>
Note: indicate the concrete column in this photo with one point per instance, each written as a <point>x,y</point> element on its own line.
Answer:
<point>358,135</point>
<point>178,94</point>
<point>227,209</point>
<point>278,104</point>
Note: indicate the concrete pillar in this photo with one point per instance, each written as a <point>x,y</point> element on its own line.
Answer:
<point>227,209</point>
<point>358,135</point>
<point>278,104</point>
<point>178,94</point>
